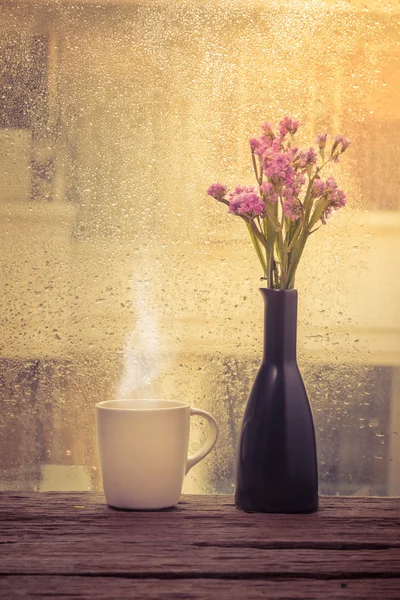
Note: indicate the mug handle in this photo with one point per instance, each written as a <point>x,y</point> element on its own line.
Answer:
<point>210,441</point>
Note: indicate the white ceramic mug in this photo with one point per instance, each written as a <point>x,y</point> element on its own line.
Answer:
<point>143,450</point>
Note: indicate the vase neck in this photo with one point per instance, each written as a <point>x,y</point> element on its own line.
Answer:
<point>280,325</point>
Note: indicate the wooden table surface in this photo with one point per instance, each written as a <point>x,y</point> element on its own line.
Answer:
<point>72,545</point>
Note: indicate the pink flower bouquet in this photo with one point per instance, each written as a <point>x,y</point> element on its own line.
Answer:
<point>289,200</point>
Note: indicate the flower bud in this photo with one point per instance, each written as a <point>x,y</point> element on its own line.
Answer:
<point>321,140</point>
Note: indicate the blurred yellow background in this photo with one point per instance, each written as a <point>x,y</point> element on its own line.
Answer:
<point>122,279</point>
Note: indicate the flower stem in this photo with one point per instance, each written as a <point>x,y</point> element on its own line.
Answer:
<point>258,250</point>
<point>258,177</point>
<point>295,258</point>
<point>271,237</point>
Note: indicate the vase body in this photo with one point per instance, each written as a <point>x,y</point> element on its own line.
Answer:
<point>277,467</point>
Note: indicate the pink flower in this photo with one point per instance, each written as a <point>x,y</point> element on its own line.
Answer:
<point>240,189</point>
<point>268,193</point>
<point>331,184</point>
<point>280,168</point>
<point>288,125</point>
<point>299,180</point>
<point>318,188</point>
<point>259,145</point>
<point>267,130</point>
<point>300,161</point>
<point>343,142</point>
<point>306,158</point>
<point>311,157</point>
<point>321,140</point>
<point>292,208</point>
<point>289,193</point>
<point>217,191</point>
<point>277,165</point>
<point>246,203</point>
<point>335,198</point>
<point>289,196</point>
<point>292,185</point>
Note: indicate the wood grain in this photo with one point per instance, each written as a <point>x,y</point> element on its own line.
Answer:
<point>104,588</point>
<point>203,548</point>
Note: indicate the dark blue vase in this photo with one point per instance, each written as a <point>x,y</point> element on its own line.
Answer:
<point>277,468</point>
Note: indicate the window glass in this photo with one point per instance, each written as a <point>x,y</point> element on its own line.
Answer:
<point>121,278</point>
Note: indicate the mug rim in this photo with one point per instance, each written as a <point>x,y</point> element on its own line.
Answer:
<point>117,405</point>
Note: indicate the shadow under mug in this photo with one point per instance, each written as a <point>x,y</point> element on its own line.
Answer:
<point>143,450</point>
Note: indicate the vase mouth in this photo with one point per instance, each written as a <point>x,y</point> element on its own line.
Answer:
<point>267,290</point>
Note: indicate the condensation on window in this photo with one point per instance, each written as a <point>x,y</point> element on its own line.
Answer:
<point>121,278</point>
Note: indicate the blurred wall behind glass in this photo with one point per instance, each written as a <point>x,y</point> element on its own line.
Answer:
<point>121,278</point>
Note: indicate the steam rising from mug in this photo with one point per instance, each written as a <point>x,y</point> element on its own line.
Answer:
<point>144,349</point>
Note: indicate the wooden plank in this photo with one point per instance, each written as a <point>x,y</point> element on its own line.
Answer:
<point>204,548</point>
<point>60,504</point>
<point>104,588</point>
<point>185,560</point>
<point>341,523</point>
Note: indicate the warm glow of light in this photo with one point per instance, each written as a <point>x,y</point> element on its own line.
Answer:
<point>122,277</point>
